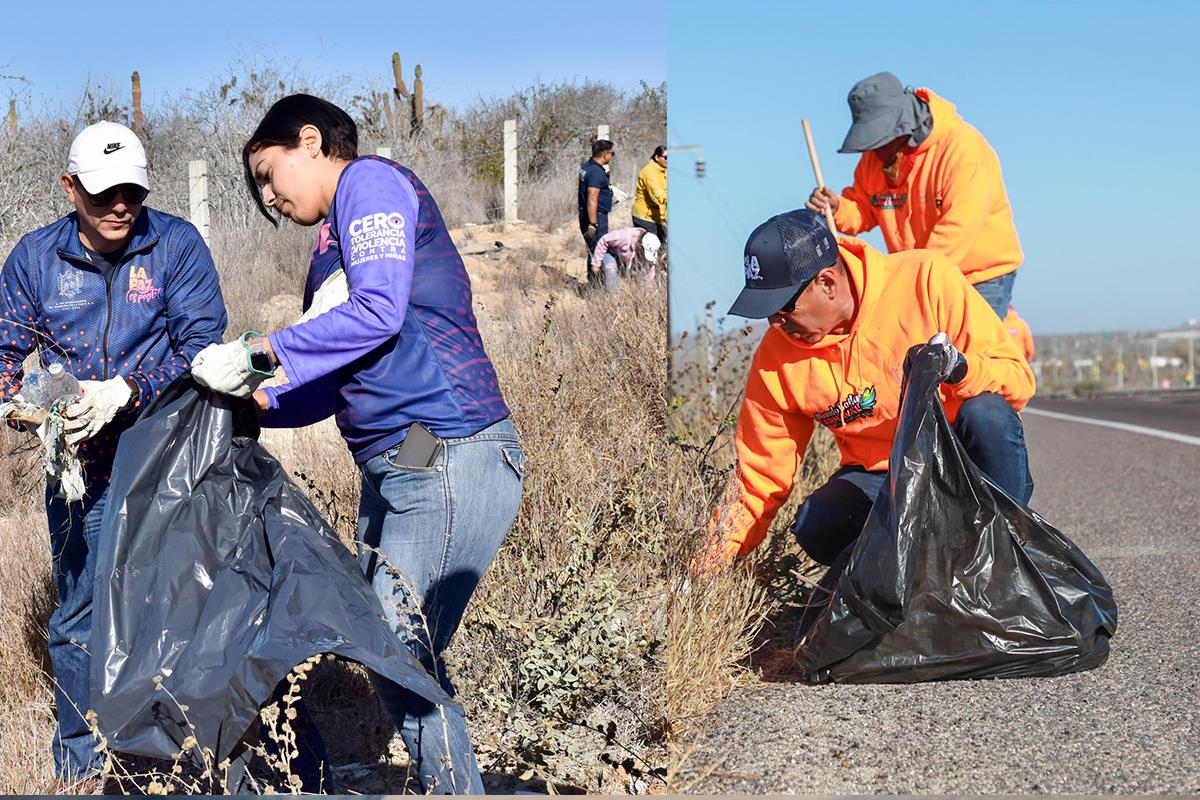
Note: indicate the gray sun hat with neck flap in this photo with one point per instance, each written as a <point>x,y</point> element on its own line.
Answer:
<point>882,110</point>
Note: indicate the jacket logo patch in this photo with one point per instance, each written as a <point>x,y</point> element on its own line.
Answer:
<point>889,200</point>
<point>855,406</point>
<point>141,287</point>
<point>752,269</point>
<point>70,284</point>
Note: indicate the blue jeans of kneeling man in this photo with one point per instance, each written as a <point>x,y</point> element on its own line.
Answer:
<point>831,518</point>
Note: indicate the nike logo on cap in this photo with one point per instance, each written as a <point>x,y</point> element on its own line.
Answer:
<point>112,147</point>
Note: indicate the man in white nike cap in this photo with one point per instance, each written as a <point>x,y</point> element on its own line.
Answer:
<point>123,297</point>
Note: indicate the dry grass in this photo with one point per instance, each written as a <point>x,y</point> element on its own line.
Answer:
<point>732,624</point>
<point>561,659</point>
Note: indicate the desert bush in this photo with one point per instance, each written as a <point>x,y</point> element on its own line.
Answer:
<point>720,618</point>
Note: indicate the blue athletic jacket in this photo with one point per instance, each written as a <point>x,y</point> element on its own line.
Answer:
<point>159,307</point>
<point>405,346</point>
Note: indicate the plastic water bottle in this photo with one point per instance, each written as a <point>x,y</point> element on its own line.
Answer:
<point>44,388</point>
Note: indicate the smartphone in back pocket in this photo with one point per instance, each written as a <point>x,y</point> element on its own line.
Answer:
<point>420,448</point>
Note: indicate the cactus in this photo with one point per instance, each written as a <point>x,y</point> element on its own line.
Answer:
<point>413,122</point>
<point>137,103</point>
<point>385,100</point>
<point>401,90</point>
<point>418,101</point>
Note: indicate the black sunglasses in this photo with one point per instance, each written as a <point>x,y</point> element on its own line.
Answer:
<point>133,194</point>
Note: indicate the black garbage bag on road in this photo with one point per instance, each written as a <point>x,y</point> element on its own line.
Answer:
<point>951,577</point>
<point>217,574</point>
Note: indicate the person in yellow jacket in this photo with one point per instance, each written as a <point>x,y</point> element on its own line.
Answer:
<point>843,317</point>
<point>927,179</point>
<point>650,196</point>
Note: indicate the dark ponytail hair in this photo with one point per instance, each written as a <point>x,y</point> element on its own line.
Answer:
<point>281,126</point>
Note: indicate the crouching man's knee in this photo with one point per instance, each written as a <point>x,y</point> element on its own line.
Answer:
<point>994,438</point>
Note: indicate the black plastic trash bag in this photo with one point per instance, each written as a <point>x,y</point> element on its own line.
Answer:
<point>951,577</point>
<point>217,574</point>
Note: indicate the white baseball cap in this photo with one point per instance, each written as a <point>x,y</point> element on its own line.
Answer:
<point>107,154</point>
<point>651,245</point>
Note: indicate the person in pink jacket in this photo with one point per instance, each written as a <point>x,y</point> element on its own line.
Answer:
<point>624,250</point>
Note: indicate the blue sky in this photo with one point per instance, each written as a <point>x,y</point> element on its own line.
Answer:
<point>466,49</point>
<point>1092,107</point>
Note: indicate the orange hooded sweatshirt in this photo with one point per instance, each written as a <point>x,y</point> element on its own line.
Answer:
<point>948,196</point>
<point>1019,330</point>
<point>851,383</point>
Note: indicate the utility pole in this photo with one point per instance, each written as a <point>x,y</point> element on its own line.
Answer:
<point>1154,362</point>
<point>690,148</point>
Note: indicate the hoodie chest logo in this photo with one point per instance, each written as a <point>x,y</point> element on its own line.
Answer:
<point>855,406</point>
<point>889,201</point>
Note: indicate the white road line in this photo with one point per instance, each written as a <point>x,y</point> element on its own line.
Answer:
<point>1121,426</point>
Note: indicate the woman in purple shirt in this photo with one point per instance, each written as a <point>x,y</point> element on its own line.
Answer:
<point>390,346</point>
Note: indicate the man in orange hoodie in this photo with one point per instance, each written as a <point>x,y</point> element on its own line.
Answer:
<point>1019,330</point>
<point>843,317</point>
<point>927,179</point>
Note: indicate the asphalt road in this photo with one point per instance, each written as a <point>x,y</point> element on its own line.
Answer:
<point>1132,503</point>
<point>1176,413</point>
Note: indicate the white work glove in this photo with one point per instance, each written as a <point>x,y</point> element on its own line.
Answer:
<point>28,417</point>
<point>954,366</point>
<point>333,292</point>
<point>225,368</point>
<point>98,403</point>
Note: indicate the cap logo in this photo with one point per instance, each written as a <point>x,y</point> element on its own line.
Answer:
<point>752,269</point>
<point>112,147</point>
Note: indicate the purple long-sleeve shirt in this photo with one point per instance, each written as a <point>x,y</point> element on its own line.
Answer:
<point>405,346</point>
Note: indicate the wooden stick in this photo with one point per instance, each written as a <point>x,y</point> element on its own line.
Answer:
<point>816,165</point>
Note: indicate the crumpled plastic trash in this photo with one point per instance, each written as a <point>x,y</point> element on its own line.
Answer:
<point>215,578</point>
<point>61,462</point>
<point>951,577</point>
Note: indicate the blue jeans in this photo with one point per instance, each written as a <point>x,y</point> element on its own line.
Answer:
<point>74,539</point>
<point>998,292</point>
<point>439,527</point>
<point>601,229</point>
<point>831,518</point>
<point>610,272</point>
